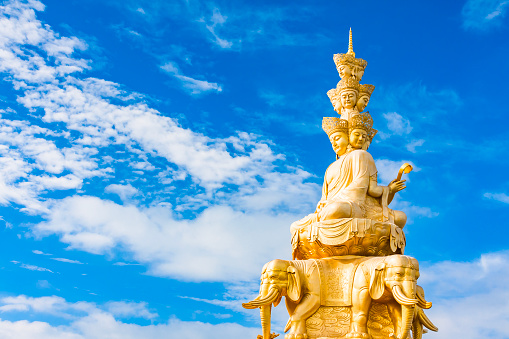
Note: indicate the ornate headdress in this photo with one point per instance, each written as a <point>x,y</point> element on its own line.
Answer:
<point>331,125</point>
<point>363,121</point>
<point>348,83</point>
<point>333,94</point>
<point>357,65</point>
<point>366,89</point>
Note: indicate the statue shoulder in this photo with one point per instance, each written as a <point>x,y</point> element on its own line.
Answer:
<point>359,153</point>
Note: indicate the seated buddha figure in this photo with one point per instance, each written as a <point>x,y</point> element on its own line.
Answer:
<point>350,188</point>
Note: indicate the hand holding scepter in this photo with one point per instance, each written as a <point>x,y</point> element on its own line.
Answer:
<point>397,184</point>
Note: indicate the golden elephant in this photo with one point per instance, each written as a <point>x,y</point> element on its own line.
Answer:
<point>351,281</point>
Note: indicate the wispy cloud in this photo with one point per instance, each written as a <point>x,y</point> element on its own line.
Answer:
<point>193,86</point>
<point>32,267</point>
<point>502,197</point>
<point>217,19</point>
<point>69,261</point>
<point>483,14</point>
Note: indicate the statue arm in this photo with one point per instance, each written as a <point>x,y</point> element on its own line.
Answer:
<point>373,189</point>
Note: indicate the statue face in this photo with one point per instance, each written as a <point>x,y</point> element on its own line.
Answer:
<point>358,138</point>
<point>339,142</point>
<point>337,104</point>
<point>362,103</point>
<point>348,98</point>
<point>358,73</point>
<point>344,70</point>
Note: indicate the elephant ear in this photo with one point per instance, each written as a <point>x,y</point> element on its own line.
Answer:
<point>376,284</point>
<point>293,289</point>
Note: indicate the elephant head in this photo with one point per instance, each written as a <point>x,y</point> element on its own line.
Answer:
<point>279,279</point>
<point>399,274</point>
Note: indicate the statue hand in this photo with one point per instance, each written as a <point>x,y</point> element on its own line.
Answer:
<point>396,186</point>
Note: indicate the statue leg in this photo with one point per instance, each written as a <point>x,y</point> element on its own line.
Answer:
<point>306,307</point>
<point>395,314</point>
<point>335,210</point>
<point>361,301</point>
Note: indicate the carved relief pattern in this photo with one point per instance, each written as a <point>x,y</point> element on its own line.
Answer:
<point>334,322</point>
<point>379,323</point>
<point>329,322</point>
<point>375,242</point>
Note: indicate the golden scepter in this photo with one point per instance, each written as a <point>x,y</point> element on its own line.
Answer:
<point>405,168</point>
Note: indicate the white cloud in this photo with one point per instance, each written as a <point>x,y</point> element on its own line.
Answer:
<point>397,124</point>
<point>130,309</point>
<point>470,299</point>
<point>125,192</point>
<point>241,182</point>
<point>32,267</point>
<point>483,14</point>
<point>194,86</point>
<point>412,145</point>
<point>502,197</point>
<point>221,244</point>
<point>90,321</point>
<point>217,19</point>
<point>69,261</point>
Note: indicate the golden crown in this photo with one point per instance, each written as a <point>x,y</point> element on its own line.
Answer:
<point>372,134</point>
<point>366,89</point>
<point>363,121</point>
<point>348,83</point>
<point>333,94</point>
<point>349,59</point>
<point>331,125</point>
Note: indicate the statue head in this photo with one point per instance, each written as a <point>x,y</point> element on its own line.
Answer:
<point>344,70</point>
<point>348,65</point>
<point>358,137</point>
<point>348,98</point>
<point>339,141</point>
<point>337,130</point>
<point>364,95</point>
<point>361,131</point>
<point>335,99</point>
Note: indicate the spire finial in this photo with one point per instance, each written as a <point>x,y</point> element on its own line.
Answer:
<point>350,44</point>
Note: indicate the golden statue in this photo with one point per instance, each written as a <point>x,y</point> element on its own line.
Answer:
<point>349,277</point>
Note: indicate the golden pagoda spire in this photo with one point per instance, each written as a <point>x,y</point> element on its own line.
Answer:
<point>350,44</point>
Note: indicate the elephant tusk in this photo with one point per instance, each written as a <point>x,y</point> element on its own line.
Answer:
<point>401,298</point>
<point>426,322</point>
<point>269,298</point>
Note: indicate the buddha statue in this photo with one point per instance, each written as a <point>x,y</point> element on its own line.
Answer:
<point>351,195</point>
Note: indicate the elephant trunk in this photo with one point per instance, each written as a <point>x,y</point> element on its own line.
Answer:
<point>407,315</point>
<point>265,318</point>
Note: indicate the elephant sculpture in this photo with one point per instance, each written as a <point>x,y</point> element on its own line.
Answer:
<point>390,280</point>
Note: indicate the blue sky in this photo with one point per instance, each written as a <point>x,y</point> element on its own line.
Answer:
<point>154,153</point>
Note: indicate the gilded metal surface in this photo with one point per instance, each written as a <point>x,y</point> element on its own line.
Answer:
<point>349,277</point>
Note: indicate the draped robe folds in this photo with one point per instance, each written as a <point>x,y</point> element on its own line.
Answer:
<point>350,183</point>
<point>347,180</point>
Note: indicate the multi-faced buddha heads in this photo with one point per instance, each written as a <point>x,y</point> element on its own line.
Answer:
<point>350,98</point>
<point>349,135</point>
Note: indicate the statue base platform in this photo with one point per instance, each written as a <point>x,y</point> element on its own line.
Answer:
<point>348,236</point>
